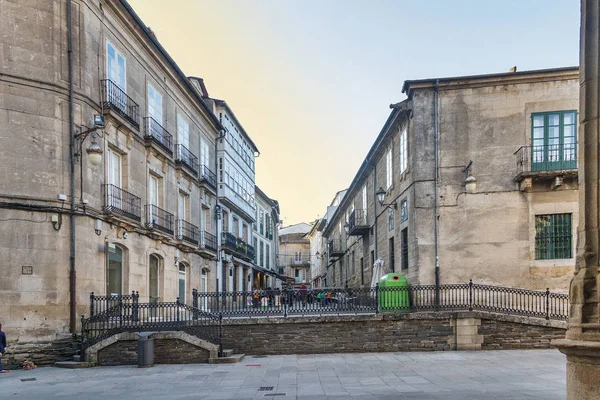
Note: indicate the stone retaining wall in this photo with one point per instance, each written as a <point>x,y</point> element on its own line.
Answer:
<point>166,351</point>
<point>41,353</point>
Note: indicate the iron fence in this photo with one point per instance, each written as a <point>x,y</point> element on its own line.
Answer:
<point>186,158</point>
<point>551,157</point>
<point>121,202</point>
<point>110,315</point>
<point>208,176</point>
<point>187,231</point>
<point>159,135</point>
<point>115,98</point>
<point>157,218</point>
<point>454,297</point>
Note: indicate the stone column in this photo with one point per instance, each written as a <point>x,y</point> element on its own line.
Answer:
<point>582,342</point>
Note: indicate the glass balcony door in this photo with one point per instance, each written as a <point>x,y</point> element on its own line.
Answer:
<point>554,141</point>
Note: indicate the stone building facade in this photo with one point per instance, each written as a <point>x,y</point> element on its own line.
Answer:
<point>266,239</point>
<point>294,254</point>
<point>515,134</point>
<point>145,218</point>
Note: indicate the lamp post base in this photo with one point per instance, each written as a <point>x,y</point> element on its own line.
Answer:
<point>583,368</point>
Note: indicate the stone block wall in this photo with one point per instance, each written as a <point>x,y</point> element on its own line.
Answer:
<point>41,353</point>
<point>507,335</point>
<point>166,351</point>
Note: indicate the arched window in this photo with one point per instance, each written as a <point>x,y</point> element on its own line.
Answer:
<point>114,273</point>
<point>182,282</point>
<point>154,279</point>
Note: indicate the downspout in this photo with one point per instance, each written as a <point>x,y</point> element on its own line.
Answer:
<point>72,273</point>
<point>435,193</point>
<point>375,209</point>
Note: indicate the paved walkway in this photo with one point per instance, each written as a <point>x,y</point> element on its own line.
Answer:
<point>528,374</point>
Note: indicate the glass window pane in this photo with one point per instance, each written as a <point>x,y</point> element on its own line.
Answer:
<point>115,270</point>
<point>554,119</point>
<point>569,131</point>
<point>538,133</point>
<point>538,120</point>
<point>569,118</point>
<point>553,131</point>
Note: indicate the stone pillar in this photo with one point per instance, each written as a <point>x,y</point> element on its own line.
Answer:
<point>241,279</point>
<point>582,341</point>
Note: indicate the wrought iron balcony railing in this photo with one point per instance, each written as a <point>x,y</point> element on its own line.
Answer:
<point>209,241</point>
<point>208,176</point>
<point>250,252</point>
<point>228,241</point>
<point>188,232</point>
<point>187,159</point>
<point>546,158</point>
<point>159,219</point>
<point>155,133</point>
<point>115,98</point>
<point>120,202</point>
<point>357,223</point>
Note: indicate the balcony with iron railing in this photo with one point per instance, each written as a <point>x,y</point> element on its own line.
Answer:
<point>335,247</point>
<point>237,246</point>
<point>155,134</point>
<point>159,219</point>
<point>209,241</point>
<point>188,232</point>
<point>298,260</point>
<point>186,159</point>
<point>357,223</point>
<point>208,176</point>
<point>114,99</point>
<point>121,203</point>
<point>242,203</point>
<point>546,161</point>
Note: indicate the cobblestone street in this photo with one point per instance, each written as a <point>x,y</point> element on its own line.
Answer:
<point>528,374</point>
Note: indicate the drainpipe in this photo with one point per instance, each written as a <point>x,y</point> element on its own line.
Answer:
<point>72,274</point>
<point>435,193</point>
<point>375,209</point>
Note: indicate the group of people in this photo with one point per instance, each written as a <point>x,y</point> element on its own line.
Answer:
<point>2,349</point>
<point>274,298</point>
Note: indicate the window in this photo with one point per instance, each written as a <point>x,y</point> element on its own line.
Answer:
<point>182,206</point>
<point>113,161</point>
<point>153,279</point>
<point>254,241</point>
<point>262,254</point>
<point>114,276</point>
<point>353,263</point>
<point>183,131</point>
<point>268,255</point>
<point>116,70</point>
<point>554,141</point>
<point>388,169</point>
<point>403,210</point>
<point>262,222</point>
<point>182,283</point>
<point>298,257</point>
<point>204,154</point>
<point>155,110</point>
<point>364,202</point>
<point>391,219</point>
<point>254,225</point>
<point>553,236</point>
<point>404,245</point>
<point>153,188</point>
<point>392,256</point>
<point>362,271</point>
<point>403,152</point>
<point>267,225</point>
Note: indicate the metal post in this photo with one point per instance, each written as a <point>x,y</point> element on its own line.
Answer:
<point>121,310</point>
<point>547,303</point>
<point>91,304</point>
<point>377,298</point>
<point>195,302</point>
<point>470,294</point>
<point>220,335</point>
<point>135,299</point>
<point>177,304</point>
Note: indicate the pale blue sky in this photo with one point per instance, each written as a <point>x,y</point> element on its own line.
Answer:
<point>311,81</point>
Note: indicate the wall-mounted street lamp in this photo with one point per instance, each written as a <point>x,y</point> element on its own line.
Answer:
<point>94,151</point>
<point>347,228</point>
<point>381,197</point>
<point>470,181</point>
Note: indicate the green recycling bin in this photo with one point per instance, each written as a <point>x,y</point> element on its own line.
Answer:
<point>393,293</point>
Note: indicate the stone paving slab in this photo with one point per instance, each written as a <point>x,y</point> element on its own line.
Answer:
<point>495,375</point>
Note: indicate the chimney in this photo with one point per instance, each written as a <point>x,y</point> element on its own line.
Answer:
<point>513,69</point>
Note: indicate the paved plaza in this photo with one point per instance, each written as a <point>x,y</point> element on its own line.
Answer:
<point>527,374</point>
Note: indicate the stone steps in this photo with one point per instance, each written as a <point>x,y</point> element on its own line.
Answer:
<point>71,364</point>
<point>232,359</point>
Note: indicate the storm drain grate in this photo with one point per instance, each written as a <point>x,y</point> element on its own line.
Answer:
<point>28,379</point>
<point>266,388</point>
<point>274,394</point>
<point>259,356</point>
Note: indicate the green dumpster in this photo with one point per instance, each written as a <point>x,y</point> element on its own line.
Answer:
<point>393,293</point>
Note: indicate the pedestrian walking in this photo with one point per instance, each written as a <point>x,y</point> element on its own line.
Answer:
<point>2,349</point>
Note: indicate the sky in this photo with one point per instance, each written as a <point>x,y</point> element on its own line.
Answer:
<point>311,81</point>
